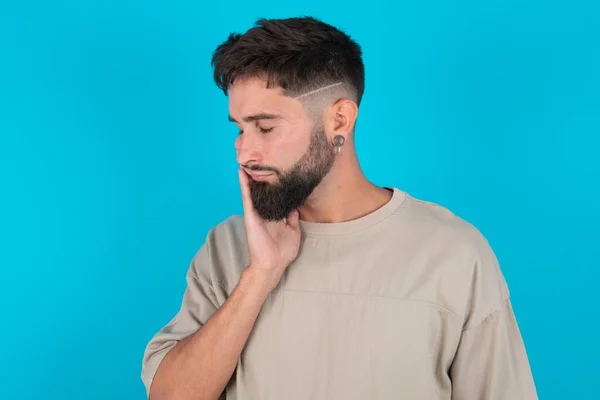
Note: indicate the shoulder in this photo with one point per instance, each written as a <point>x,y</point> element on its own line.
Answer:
<point>232,229</point>
<point>470,261</point>
<point>224,253</point>
<point>432,221</point>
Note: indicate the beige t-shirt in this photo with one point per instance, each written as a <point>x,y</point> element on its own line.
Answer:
<point>407,302</point>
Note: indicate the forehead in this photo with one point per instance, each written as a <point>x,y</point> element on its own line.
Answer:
<point>251,96</point>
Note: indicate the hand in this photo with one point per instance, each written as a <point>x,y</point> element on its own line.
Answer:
<point>273,245</point>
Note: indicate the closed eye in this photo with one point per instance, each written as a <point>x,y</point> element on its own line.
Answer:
<point>262,130</point>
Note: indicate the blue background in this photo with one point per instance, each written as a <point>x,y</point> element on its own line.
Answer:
<point>116,158</point>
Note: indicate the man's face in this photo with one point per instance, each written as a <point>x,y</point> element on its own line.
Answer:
<point>285,153</point>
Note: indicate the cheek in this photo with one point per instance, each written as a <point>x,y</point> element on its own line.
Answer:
<point>291,148</point>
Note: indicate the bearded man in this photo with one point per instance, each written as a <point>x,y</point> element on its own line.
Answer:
<point>329,286</point>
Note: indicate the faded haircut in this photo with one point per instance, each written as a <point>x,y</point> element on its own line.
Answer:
<point>300,55</point>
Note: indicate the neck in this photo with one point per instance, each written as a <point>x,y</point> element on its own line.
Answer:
<point>344,194</point>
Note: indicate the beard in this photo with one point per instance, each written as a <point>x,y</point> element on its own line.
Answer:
<point>275,201</point>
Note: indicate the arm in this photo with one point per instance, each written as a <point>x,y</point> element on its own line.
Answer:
<point>200,366</point>
<point>491,361</point>
<point>194,356</point>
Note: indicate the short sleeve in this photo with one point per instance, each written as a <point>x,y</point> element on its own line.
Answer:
<point>491,361</point>
<point>197,306</point>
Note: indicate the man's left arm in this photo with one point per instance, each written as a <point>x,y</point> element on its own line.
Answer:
<point>491,360</point>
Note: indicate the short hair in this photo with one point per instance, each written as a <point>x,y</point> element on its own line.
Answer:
<point>297,54</point>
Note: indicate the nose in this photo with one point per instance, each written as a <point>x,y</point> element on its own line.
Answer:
<point>247,150</point>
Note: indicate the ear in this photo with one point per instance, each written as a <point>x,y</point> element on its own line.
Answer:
<point>340,118</point>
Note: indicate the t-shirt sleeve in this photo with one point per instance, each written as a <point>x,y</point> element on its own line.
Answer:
<point>197,306</point>
<point>491,361</point>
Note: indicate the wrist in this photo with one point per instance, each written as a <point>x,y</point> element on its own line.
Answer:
<point>258,280</point>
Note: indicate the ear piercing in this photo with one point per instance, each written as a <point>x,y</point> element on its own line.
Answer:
<point>338,141</point>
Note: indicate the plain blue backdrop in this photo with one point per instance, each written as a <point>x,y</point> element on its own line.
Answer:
<point>116,158</point>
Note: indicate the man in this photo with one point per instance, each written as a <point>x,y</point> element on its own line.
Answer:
<point>329,287</point>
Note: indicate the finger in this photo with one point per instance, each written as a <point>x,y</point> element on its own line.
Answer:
<point>246,198</point>
<point>293,219</point>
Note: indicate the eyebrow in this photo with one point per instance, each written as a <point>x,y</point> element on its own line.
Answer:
<point>257,117</point>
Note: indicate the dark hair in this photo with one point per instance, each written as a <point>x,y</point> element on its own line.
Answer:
<point>297,54</point>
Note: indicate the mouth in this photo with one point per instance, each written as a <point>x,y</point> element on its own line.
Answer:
<point>259,176</point>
